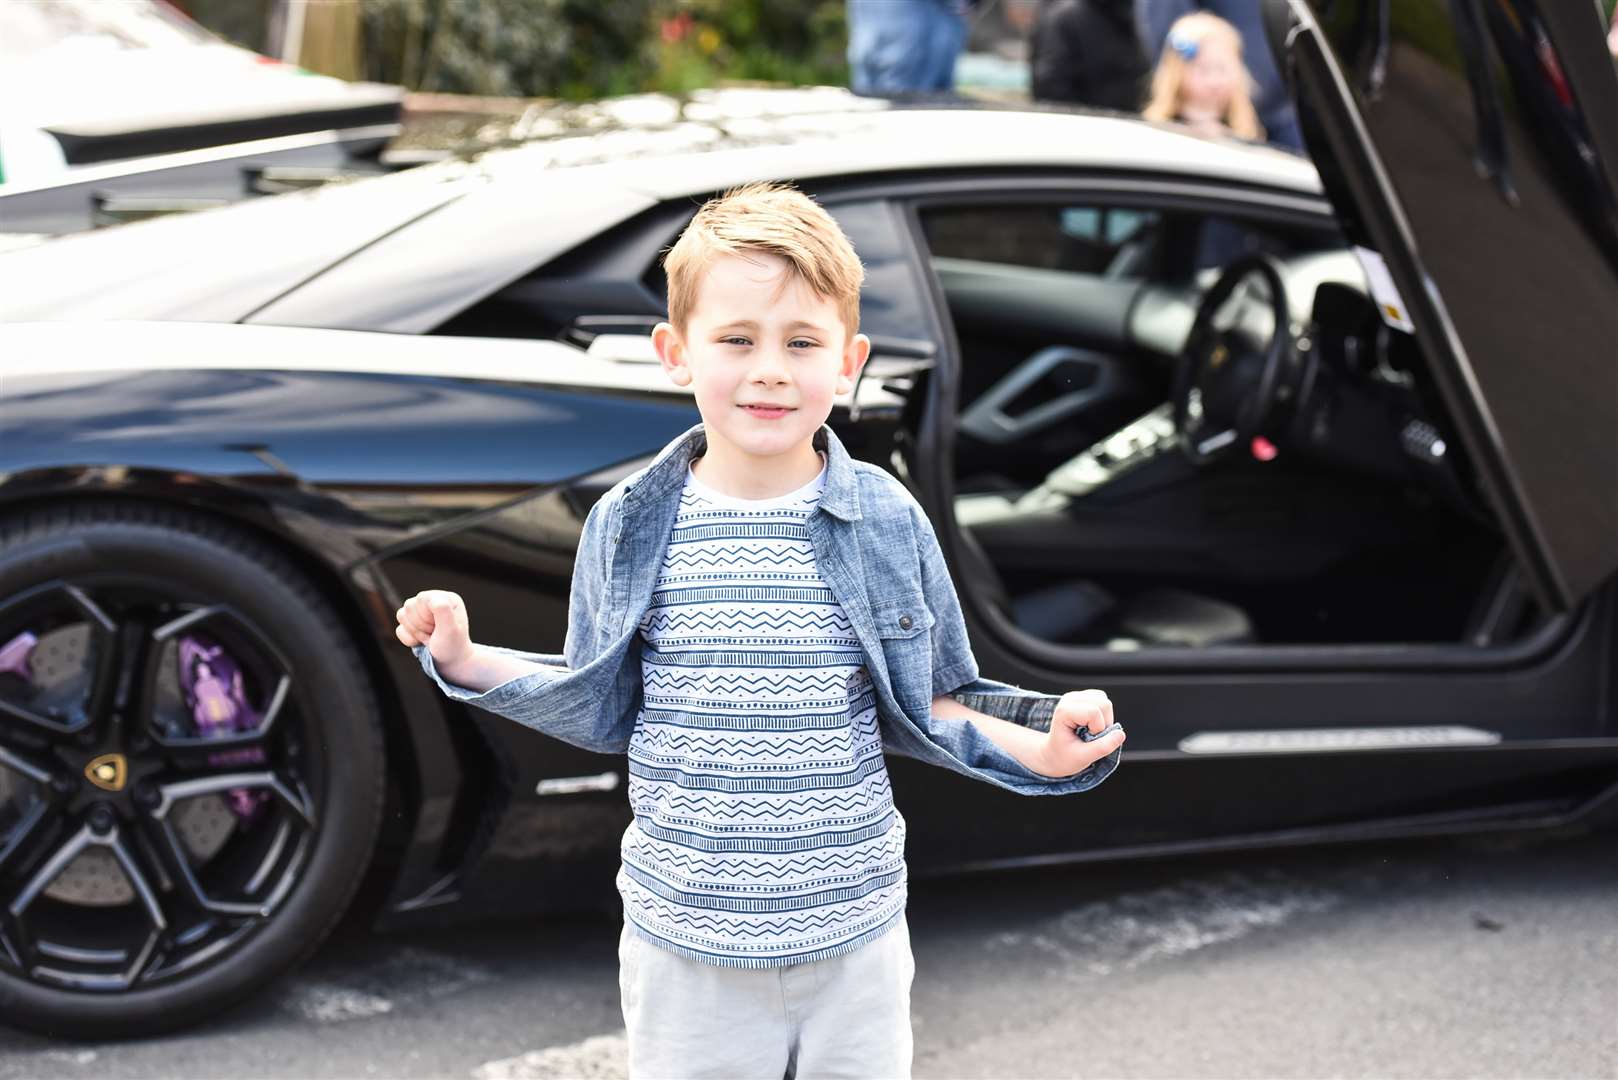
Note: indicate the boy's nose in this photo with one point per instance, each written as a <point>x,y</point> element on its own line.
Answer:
<point>769,368</point>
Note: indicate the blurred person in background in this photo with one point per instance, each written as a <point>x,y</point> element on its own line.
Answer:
<point>904,46</point>
<point>1275,110</point>
<point>1088,52</point>
<point>1201,80</point>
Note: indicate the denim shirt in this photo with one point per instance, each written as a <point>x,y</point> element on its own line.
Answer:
<point>878,553</point>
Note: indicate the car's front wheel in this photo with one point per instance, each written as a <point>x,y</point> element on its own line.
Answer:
<point>191,768</point>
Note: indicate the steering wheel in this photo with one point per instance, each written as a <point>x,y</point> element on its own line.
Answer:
<point>1225,380</point>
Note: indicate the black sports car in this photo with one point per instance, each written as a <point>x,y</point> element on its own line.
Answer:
<point>1314,472</point>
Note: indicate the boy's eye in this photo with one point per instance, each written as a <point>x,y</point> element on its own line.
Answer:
<point>734,341</point>
<point>802,343</point>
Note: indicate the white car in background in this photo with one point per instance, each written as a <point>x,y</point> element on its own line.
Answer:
<point>88,83</point>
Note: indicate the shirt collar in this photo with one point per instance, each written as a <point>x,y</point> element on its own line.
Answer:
<point>666,473</point>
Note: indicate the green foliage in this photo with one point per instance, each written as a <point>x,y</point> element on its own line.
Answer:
<point>581,49</point>
<point>524,48</point>
<point>792,41</point>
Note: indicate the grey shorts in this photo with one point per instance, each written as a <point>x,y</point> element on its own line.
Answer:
<point>846,1016</point>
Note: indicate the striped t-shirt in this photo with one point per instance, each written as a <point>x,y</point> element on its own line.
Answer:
<point>764,829</point>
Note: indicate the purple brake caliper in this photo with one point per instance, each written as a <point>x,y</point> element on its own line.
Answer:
<point>16,654</point>
<point>212,682</point>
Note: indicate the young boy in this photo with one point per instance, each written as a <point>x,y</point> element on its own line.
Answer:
<point>756,617</point>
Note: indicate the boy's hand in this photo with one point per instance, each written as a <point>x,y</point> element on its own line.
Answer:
<point>437,619</point>
<point>1064,752</point>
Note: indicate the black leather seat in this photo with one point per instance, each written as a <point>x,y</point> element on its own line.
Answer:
<point>1081,611</point>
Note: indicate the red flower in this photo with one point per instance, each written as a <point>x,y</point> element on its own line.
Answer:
<point>676,28</point>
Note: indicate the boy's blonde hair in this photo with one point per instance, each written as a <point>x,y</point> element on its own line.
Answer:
<point>1164,102</point>
<point>770,217</point>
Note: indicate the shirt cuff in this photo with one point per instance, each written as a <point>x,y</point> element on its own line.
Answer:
<point>492,698</point>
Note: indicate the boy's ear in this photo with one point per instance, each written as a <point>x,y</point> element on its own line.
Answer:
<point>670,348</point>
<point>855,353</point>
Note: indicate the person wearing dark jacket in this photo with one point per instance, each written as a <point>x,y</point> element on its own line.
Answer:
<point>1088,52</point>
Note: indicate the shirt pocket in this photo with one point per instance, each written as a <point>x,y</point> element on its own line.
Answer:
<point>904,626</point>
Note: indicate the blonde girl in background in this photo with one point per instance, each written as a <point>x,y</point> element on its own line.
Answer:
<point>1201,80</point>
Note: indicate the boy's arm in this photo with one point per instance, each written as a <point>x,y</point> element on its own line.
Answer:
<point>515,682</point>
<point>1023,743</point>
<point>489,668</point>
<point>998,747</point>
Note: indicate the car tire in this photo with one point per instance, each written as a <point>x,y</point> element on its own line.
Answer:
<point>181,709</point>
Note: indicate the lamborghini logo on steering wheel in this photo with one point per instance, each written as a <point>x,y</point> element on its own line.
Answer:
<point>1217,357</point>
<point>108,772</point>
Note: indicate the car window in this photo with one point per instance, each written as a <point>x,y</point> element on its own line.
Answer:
<point>1105,241</point>
<point>615,282</point>
<point>1215,240</point>
<point>1087,239</point>
<point>890,298</point>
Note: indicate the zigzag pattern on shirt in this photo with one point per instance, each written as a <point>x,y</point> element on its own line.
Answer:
<point>707,827</point>
<point>885,834</point>
<point>693,497</point>
<point>733,556</point>
<point>721,700</point>
<point>825,840</point>
<point>878,792</point>
<point>783,902</point>
<point>830,620</point>
<point>729,926</point>
<point>758,889</point>
<point>831,718</point>
<point>710,827</point>
<point>746,682</point>
<point>840,757</point>
<point>752,873</point>
<point>671,701</point>
<point>702,774</point>
<point>865,722</point>
<point>798,619</point>
<point>665,741</point>
<point>850,661</point>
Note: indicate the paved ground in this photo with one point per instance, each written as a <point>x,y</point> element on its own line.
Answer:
<point>1479,957</point>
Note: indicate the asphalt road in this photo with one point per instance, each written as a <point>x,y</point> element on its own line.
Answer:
<point>1488,956</point>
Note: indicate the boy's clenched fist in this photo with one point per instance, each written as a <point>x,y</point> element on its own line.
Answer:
<point>1064,752</point>
<point>436,618</point>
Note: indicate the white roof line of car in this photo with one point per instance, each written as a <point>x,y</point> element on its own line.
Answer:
<point>888,140</point>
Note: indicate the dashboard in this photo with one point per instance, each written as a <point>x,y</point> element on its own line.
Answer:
<point>1355,395</point>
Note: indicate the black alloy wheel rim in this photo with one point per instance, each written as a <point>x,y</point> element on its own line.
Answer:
<point>155,789</point>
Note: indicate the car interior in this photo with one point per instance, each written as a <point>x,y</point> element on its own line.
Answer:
<point>1174,426</point>
<point>1180,429</point>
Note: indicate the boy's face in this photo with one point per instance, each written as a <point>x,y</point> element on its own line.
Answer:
<point>759,335</point>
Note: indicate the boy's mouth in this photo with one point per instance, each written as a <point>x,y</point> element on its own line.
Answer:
<point>767,410</point>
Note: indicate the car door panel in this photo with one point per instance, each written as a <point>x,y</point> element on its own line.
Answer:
<point>1292,760</point>
<point>1491,201</point>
